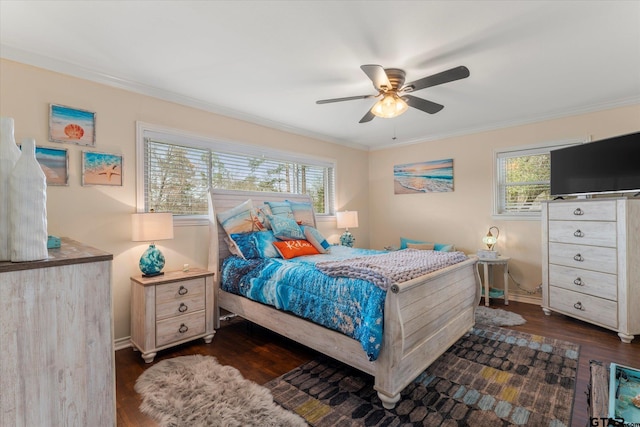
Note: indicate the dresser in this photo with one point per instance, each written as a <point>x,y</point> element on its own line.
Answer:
<point>57,364</point>
<point>591,262</point>
<point>171,309</point>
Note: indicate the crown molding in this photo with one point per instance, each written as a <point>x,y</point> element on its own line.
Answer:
<point>82,72</point>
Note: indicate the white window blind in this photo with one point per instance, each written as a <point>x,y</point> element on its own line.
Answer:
<point>523,179</point>
<point>179,170</point>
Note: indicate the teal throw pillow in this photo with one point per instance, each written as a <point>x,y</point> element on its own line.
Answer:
<point>280,208</point>
<point>316,239</point>
<point>442,247</point>
<point>303,213</point>
<point>256,245</point>
<point>285,228</point>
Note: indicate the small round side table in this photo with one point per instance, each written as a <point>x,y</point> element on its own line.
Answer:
<point>486,262</point>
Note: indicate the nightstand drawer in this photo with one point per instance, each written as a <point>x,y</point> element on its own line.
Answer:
<point>584,257</point>
<point>180,328</point>
<point>583,211</point>
<point>177,298</point>
<point>594,233</point>
<point>603,285</point>
<point>587,307</point>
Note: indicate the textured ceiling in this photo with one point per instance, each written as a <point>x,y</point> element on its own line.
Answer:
<point>268,62</point>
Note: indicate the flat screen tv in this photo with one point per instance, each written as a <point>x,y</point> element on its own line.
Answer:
<point>610,165</point>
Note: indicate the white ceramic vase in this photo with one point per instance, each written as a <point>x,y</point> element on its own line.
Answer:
<point>9,154</point>
<point>28,207</point>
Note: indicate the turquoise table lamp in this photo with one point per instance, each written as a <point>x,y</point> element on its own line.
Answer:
<point>150,227</point>
<point>347,220</point>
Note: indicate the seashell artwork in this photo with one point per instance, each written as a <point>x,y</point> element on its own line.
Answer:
<point>67,124</point>
<point>73,131</point>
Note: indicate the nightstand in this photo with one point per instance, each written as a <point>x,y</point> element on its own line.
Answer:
<point>490,262</point>
<point>171,309</point>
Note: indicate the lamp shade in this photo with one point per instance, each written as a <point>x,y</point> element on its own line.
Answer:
<point>149,227</point>
<point>347,219</point>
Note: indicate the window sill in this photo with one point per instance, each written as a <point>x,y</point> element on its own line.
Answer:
<point>508,217</point>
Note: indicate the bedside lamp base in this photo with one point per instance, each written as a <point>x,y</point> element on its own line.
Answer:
<point>152,262</point>
<point>347,239</point>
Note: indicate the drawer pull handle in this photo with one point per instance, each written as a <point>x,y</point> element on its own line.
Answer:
<point>182,290</point>
<point>183,328</point>
<point>578,212</point>
<point>578,306</point>
<point>183,307</point>
<point>578,257</point>
<point>578,233</point>
<point>578,282</point>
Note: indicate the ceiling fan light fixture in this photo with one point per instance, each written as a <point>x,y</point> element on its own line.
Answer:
<point>391,105</point>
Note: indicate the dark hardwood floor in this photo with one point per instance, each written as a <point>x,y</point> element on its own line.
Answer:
<point>262,355</point>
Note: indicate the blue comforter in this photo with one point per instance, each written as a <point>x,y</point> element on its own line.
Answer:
<point>354,307</point>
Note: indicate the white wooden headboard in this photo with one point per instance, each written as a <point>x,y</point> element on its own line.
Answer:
<point>222,200</point>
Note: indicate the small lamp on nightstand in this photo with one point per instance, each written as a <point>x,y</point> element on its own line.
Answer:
<point>490,240</point>
<point>347,219</point>
<point>150,227</point>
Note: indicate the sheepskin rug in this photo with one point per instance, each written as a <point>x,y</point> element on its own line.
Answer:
<point>198,391</point>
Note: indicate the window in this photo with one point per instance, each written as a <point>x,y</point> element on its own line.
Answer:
<point>522,178</point>
<point>176,170</point>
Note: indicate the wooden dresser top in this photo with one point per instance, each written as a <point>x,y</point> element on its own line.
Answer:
<point>69,252</point>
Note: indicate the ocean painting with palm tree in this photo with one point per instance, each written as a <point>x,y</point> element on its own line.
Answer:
<point>424,177</point>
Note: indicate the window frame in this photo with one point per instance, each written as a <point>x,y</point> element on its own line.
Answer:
<point>521,151</point>
<point>185,138</point>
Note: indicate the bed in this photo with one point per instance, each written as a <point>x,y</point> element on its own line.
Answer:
<point>423,316</point>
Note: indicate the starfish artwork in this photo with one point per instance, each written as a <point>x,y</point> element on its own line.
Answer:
<point>108,171</point>
<point>101,169</point>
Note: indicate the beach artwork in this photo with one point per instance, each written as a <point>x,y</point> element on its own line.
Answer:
<point>425,177</point>
<point>68,124</point>
<point>101,169</point>
<point>55,165</point>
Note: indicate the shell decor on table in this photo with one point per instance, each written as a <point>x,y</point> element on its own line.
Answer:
<point>28,207</point>
<point>9,154</point>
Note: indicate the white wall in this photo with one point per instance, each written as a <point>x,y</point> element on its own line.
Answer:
<point>100,215</point>
<point>463,216</point>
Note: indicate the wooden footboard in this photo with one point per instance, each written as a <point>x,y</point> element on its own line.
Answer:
<point>423,317</point>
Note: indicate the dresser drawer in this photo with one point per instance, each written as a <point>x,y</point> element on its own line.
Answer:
<point>180,328</point>
<point>594,233</point>
<point>589,282</point>
<point>583,211</point>
<point>177,298</point>
<point>584,257</point>
<point>586,307</point>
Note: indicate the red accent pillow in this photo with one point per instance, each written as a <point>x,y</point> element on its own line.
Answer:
<point>293,248</point>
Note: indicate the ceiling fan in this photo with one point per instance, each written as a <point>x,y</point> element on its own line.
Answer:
<point>394,93</point>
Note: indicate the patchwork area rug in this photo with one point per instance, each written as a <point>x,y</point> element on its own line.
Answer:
<point>490,377</point>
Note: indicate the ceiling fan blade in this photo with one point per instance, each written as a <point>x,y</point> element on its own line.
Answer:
<point>453,74</point>
<point>422,104</point>
<point>348,98</point>
<point>377,75</point>
<point>367,117</point>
